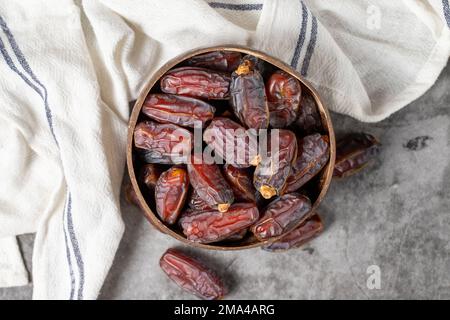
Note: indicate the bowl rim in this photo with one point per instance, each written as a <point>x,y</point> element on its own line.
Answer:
<point>323,111</point>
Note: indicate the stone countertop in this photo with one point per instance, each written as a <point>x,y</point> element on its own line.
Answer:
<point>394,215</point>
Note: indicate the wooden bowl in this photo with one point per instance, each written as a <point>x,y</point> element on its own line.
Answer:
<point>323,180</point>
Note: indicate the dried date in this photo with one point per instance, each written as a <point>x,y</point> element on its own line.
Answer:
<point>272,172</point>
<point>257,64</point>
<point>212,226</point>
<point>163,143</point>
<point>210,185</point>
<point>248,96</point>
<point>354,152</point>
<point>192,275</point>
<point>226,61</point>
<point>308,120</point>
<point>297,237</point>
<point>281,215</point>
<point>226,114</point>
<point>131,196</point>
<point>180,110</point>
<point>196,203</point>
<point>283,95</point>
<point>149,175</point>
<point>231,142</point>
<point>261,202</point>
<point>170,193</point>
<point>241,182</point>
<point>238,236</point>
<point>196,82</point>
<point>313,155</point>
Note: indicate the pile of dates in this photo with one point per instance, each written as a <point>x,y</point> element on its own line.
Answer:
<point>252,191</point>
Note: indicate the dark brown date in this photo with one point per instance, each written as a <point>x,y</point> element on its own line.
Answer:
<point>354,152</point>
<point>149,175</point>
<point>241,182</point>
<point>163,143</point>
<point>248,96</point>
<point>272,172</point>
<point>256,63</point>
<point>308,120</point>
<point>213,226</point>
<point>227,114</point>
<point>281,215</point>
<point>238,236</point>
<point>210,185</point>
<point>170,193</point>
<point>283,94</point>
<point>313,155</point>
<point>181,110</point>
<point>297,237</point>
<point>196,203</point>
<point>217,60</point>
<point>232,142</point>
<point>196,82</point>
<point>261,202</point>
<point>192,275</point>
<point>131,196</point>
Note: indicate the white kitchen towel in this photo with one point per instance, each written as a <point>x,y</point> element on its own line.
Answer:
<point>68,69</point>
<point>12,269</point>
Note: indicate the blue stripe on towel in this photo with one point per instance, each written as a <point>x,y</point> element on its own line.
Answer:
<point>310,48</point>
<point>23,62</point>
<point>40,89</point>
<point>446,8</point>
<point>69,259</point>
<point>301,37</point>
<point>76,248</point>
<point>238,7</point>
<point>13,67</point>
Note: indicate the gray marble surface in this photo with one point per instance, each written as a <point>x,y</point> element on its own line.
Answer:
<point>395,215</point>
